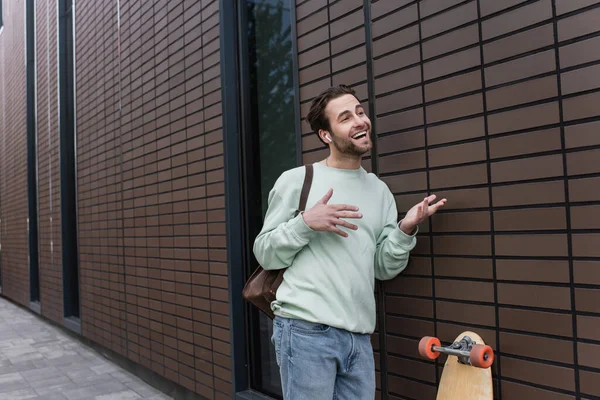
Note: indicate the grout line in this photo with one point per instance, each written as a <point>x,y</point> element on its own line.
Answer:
<point>431,256</point>
<point>329,44</point>
<point>380,286</point>
<point>491,202</point>
<point>567,205</point>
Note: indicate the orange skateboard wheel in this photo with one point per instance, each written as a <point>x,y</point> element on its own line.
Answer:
<point>482,356</point>
<point>425,349</point>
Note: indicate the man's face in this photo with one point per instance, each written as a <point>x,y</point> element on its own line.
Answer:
<point>350,126</point>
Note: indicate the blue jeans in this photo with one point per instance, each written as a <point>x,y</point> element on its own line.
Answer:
<point>321,362</point>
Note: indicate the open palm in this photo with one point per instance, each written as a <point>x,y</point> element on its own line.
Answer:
<point>420,212</point>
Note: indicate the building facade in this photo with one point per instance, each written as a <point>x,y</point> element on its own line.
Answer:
<point>139,141</point>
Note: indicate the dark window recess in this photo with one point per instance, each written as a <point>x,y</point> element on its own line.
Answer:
<point>268,147</point>
<point>67,160</point>
<point>1,20</point>
<point>34,270</point>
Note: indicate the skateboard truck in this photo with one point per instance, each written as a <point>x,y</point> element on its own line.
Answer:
<point>466,350</point>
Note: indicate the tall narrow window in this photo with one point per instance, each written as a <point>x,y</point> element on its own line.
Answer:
<point>269,146</point>
<point>1,20</point>
<point>34,270</point>
<point>67,158</point>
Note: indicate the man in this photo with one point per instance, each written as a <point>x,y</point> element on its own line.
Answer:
<point>325,307</point>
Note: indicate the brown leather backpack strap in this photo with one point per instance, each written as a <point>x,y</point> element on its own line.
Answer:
<point>308,177</point>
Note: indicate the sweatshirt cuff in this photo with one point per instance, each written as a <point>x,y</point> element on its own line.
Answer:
<point>402,239</point>
<point>300,230</point>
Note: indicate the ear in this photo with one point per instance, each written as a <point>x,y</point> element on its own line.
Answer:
<point>323,135</point>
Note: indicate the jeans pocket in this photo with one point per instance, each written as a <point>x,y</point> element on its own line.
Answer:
<point>276,340</point>
<point>310,328</point>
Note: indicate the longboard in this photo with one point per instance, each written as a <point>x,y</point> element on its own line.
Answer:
<point>467,373</point>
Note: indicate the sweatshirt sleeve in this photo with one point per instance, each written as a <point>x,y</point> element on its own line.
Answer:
<point>393,246</point>
<point>282,235</point>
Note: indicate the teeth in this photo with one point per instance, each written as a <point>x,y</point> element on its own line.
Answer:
<point>359,135</point>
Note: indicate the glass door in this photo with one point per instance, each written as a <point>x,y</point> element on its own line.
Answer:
<point>269,147</point>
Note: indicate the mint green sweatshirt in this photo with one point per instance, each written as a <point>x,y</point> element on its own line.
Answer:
<point>331,279</point>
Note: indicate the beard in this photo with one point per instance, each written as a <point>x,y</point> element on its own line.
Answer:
<point>349,147</point>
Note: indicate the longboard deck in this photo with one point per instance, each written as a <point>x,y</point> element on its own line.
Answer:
<point>462,382</point>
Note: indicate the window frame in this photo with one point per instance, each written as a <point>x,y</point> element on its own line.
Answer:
<point>32,156</point>
<point>68,163</point>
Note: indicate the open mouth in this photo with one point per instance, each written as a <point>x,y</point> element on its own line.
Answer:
<point>360,135</point>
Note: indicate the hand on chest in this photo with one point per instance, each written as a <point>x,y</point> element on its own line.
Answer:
<point>368,203</point>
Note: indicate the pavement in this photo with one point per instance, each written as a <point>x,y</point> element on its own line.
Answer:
<point>40,361</point>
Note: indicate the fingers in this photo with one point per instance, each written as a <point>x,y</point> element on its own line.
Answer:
<point>338,222</point>
<point>438,205</point>
<point>431,199</point>
<point>344,207</point>
<point>339,231</point>
<point>348,214</point>
<point>345,224</point>
<point>327,196</point>
<point>337,207</point>
<point>425,209</point>
<point>429,210</point>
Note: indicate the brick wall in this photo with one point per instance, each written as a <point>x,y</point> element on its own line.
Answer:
<point>493,105</point>
<point>14,267</point>
<point>100,220</point>
<point>150,188</point>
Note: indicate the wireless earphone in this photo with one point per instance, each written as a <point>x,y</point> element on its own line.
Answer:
<point>328,138</point>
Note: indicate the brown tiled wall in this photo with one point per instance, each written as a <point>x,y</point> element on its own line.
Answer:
<point>100,223</point>
<point>469,105</point>
<point>14,267</point>
<point>151,188</point>
<point>48,161</point>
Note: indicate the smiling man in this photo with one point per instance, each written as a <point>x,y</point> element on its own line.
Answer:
<point>348,236</point>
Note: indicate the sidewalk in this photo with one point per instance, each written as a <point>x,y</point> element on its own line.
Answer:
<point>39,361</point>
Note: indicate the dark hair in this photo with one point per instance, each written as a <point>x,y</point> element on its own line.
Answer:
<point>316,116</point>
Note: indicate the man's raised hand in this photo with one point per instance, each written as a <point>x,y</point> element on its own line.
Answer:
<point>420,212</point>
<point>327,217</point>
